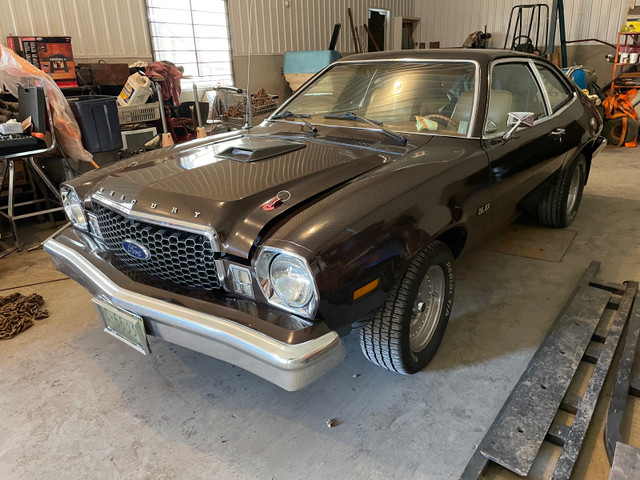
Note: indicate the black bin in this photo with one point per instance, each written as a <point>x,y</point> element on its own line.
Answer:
<point>97,116</point>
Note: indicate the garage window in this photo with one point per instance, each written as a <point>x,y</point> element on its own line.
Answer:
<point>194,34</point>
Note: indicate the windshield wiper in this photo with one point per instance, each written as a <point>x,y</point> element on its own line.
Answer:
<point>304,123</point>
<point>289,114</point>
<point>374,123</point>
<point>313,129</point>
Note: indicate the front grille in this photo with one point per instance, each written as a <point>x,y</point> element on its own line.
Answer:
<point>176,256</point>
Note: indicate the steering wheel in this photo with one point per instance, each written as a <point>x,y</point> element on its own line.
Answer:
<point>444,118</point>
<point>526,46</point>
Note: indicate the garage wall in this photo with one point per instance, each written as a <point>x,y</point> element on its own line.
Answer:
<point>451,21</point>
<point>303,25</point>
<point>113,30</point>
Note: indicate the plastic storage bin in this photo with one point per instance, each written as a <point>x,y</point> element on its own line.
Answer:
<point>138,113</point>
<point>97,116</point>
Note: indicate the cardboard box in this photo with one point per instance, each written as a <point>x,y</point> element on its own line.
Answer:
<point>20,177</point>
<point>108,74</point>
<point>52,55</point>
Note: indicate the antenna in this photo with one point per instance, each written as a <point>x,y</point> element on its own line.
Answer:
<point>249,110</point>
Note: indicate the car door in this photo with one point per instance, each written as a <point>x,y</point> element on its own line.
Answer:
<point>525,160</point>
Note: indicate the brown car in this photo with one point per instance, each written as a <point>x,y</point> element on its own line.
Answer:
<point>344,209</point>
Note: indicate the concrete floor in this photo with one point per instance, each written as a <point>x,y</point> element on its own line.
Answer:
<point>77,404</point>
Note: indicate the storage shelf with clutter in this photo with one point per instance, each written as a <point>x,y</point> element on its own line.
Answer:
<point>627,55</point>
<point>621,118</point>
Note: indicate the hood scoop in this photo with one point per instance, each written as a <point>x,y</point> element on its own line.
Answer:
<point>252,149</point>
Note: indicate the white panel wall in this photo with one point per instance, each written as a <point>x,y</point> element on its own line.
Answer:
<point>303,25</point>
<point>107,29</point>
<point>450,21</point>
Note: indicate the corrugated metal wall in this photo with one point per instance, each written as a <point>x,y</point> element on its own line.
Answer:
<point>451,21</point>
<point>99,28</point>
<point>303,25</point>
<point>112,29</point>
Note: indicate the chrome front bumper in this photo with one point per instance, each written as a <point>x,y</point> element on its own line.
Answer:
<point>600,144</point>
<point>290,366</point>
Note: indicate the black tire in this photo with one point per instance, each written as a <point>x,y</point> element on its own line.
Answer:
<point>388,338</point>
<point>560,204</point>
<point>613,131</point>
<point>632,130</point>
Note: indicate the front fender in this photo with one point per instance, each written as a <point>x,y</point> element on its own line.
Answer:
<point>371,228</point>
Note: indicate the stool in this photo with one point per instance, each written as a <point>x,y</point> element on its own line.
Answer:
<point>30,164</point>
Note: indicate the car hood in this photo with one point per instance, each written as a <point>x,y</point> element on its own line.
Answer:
<point>225,185</point>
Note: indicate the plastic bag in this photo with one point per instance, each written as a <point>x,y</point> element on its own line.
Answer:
<point>15,71</point>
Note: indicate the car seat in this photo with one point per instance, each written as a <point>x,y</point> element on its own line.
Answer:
<point>500,104</point>
<point>463,108</point>
<point>433,96</point>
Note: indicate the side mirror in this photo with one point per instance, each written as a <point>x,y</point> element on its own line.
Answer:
<point>518,119</point>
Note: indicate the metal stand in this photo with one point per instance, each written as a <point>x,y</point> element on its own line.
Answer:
<point>8,165</point>
<point>557,16</point>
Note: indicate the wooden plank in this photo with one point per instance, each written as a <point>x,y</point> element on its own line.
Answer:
<point>634,388</point>
<point>353,32</point>
<point>373,40</point>
<point>478,463</point>
<point>557,433</point>
<point>592,353</point>
<point>620,394</point>
<point>516,438</point>
<point>576,435</point>
<point>626,463</point>
<point>570,403</point>
<point>617,288</point>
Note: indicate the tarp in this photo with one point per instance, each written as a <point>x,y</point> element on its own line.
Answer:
<point>15,72</point>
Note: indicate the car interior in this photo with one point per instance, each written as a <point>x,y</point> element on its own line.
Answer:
<point>434,99</point>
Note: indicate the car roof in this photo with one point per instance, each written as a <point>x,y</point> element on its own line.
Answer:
<point>480,55</point>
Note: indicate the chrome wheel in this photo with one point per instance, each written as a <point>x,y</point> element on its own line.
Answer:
<point>404,334</point>
<point>574,188</point>
<point>427,308</point>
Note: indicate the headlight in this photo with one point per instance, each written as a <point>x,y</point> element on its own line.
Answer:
<point>291,280</point>
<point>73,207</point>
<point>286,281</point>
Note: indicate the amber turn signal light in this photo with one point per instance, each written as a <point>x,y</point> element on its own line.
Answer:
<point>369,287</point>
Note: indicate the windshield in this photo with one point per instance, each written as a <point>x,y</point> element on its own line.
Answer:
<point>410,97</point>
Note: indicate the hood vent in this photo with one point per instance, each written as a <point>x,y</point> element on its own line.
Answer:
<point>252,149</point>
<point>362,142</point>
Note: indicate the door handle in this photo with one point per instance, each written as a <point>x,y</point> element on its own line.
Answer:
<point>558,133</point>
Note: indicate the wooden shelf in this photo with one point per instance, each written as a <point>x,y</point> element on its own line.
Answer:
<point>626,41</point>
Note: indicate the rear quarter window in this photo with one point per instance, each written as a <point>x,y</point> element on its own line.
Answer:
<point>558,92</point>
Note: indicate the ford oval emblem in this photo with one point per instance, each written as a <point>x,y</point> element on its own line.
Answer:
<point>135,249</point>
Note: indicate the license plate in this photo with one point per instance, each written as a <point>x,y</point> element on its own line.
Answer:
<point>125,326</point>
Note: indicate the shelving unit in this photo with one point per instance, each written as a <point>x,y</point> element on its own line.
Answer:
<point>625,40</point>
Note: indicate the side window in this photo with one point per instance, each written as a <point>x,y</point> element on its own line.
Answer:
<point>557,91</point>
<point>513,89</point>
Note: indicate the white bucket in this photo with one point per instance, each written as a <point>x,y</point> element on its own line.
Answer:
<point>136,91</point>
<point>636,103</point>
